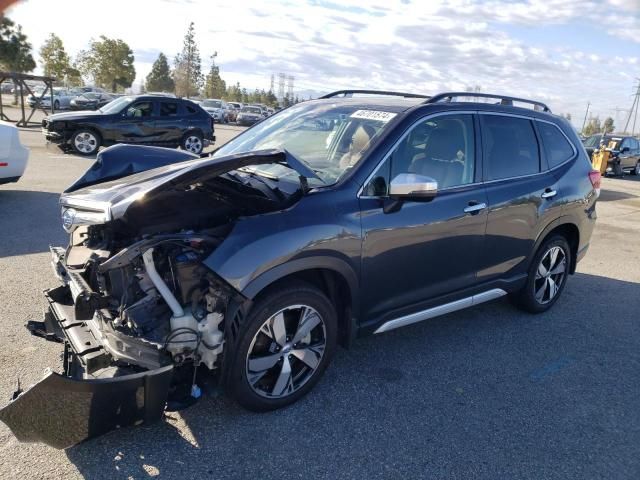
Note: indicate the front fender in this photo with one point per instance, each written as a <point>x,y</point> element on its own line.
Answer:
<point>317,232</point>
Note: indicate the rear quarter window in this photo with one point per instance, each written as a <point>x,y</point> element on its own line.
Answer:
<point>556,145</point>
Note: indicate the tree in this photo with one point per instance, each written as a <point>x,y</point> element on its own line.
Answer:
<point>593,126</point>
<point>55,61</point>
<point>15,50</point>
<point>159,79</point>
<point>109,62</point>
<point>608,125</point>
<point>188,70</point>
<point>215,86</point>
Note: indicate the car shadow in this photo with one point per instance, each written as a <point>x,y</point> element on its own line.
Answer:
<point>489,392</point>
<point>614,195</point>
<point>33,217</point>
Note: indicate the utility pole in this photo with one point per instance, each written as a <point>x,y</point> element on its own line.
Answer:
<point>281,88</point>
<point>290,80</point>
<point>634,110</point>
<point>585,117</point>
<point>272,80</point>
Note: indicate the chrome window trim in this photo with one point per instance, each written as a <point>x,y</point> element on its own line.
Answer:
<point>397,142</point>
<point>441,309</point>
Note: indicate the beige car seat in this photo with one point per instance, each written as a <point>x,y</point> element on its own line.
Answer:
<point>359,143</point>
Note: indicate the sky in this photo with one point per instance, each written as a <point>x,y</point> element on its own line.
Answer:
<point>562,52</point>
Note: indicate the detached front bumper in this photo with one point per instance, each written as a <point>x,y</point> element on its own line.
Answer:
<point>63,410</point>
<point>60,411</point>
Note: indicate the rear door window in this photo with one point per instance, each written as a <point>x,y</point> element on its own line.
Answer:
<point>168,109</point>
<point>510,147</point>
<point>556,145</point>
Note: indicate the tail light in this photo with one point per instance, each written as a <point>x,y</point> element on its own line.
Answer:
<point>594,178</point>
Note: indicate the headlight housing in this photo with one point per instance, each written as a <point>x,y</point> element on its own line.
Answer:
<point>72,218</point>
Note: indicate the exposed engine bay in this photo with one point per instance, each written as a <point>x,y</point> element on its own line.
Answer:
<point>145,276</point>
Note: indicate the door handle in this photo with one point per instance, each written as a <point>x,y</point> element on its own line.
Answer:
<point>475,207</point>
<point>548,193</point>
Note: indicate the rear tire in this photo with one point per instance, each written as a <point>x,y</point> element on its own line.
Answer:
<point>547,276</point>
<point>192,142</point>
<point>286,343</point>
<point>636,169</point>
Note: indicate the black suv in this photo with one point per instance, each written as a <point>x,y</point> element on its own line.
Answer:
<point>625,152</point>
<point>143,119</point>
<point>331,219</point>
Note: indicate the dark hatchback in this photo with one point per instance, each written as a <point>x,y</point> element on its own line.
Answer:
<point>143,120</point>
<point>331,219</point>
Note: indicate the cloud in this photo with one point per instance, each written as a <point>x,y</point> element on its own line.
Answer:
<point>389,44</point>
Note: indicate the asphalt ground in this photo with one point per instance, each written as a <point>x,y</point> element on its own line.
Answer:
<point>489,392</point>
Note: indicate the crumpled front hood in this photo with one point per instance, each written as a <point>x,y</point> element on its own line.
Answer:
<point>115,196</point>
<point>73,116</point>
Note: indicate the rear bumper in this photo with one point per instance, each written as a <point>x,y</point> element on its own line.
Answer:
<point>96,393</point>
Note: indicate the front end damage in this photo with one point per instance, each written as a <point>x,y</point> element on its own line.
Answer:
<point>138,311</point>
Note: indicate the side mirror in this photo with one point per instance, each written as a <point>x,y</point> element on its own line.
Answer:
<point>412,185</point>
<point>625,150</point>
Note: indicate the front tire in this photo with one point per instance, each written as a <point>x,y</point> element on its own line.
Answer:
<point>547,276</point>
<point>285,346</point>
<point>192,142</point>
<point>85,142</point>
<point>56,105</point>
<point>636,169</point>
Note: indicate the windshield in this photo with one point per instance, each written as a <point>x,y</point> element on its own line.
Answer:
<point>212,103</point>
<point>115,106</point>
<point>251,110</point>
<point>329,137</point>
<point>592,141</point>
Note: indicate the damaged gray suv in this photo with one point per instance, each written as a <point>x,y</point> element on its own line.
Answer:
<point>334,218</point>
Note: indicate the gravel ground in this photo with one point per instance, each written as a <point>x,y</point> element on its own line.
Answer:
<point>484,393</point>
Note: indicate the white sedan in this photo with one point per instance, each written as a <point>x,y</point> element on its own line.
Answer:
<point>13,155</point>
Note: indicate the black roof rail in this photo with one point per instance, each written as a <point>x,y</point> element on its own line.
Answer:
<point>504,100</point>
<point>349,93</point>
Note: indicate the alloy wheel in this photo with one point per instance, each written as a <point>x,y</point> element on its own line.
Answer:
<point>286,351</point>
<point>550,275</point>
<point>193,144</point>
<point>85,142</point>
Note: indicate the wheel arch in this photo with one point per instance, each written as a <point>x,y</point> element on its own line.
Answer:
<point>569,230</point>
<point>333,276</point>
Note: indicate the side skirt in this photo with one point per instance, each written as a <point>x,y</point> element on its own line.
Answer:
<point>441,309</point>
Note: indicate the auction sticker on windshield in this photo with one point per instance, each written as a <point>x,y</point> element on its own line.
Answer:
<point>373,115</point>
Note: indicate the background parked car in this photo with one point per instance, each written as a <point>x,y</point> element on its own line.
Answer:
<point>13,155</point>
<point>232,112</point>
<point>6,87</point>
<point>263,109</point>
<point>249,115</point>
<point>217,109</point>
<point>144,119</point>
<point>90,101</point>
<point>61,98</point>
